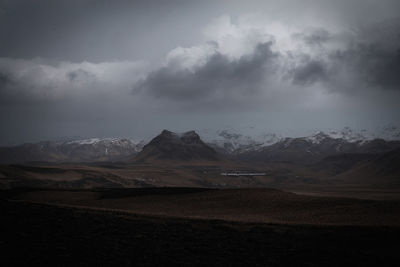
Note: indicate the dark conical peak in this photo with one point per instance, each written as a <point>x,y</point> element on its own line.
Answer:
<point>173,146</point>
<point>190,137</point>
<point>180,135</point>
<point>166,136</point>
<point>167,133</point>
<point>187,137</point>
<point>190,133</point>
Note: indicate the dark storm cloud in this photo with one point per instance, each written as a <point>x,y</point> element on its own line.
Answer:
<point>368,57</point>
<point>220,75</point>
<point>361,60</point>
<point>372,64</point>
<point>4,80</point>
<point>7,95</point>
<point>80,75</point>
<point>308,72</point>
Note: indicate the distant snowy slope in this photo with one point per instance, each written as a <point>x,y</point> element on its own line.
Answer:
<point>241,140</point>
<point>81,150</point>
<point>232,140</point>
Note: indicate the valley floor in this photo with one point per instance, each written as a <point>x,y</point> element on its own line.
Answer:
<point>212,228</point>
<point>42,235</point>
<point>255,205</point>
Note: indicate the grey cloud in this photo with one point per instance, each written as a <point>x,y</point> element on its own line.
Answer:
<point>94,30</point>
<point>80,75</point>
<point>375,54</point>
<point>86,89</point>
<point>34,82</point>
<point>40,101</point>
<point>4,80</point>
<point>369,57</point>
<point>314,37</point>
<point>308,72</point>
<point>7,92</point>
<point>103,30</point>
<point>219,76</point>
<point>372,64</point>
<point>356,64</point>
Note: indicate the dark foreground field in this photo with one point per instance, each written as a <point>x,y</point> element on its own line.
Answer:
<point>45,234</point>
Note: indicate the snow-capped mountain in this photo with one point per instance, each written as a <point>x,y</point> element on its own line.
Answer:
<point>312,149</point>
<point>349,135</point>
<point>388,132</point>
<point>232,141</point>
<point>108,143</point>
<point>81,150</point>
<point>107,148</point>
<point>238,141</point>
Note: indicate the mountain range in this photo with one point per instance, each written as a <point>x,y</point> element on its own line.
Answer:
<point>264,147</point>
<point>315,148</point>
<point>249,139</point>
<point>184,159</point>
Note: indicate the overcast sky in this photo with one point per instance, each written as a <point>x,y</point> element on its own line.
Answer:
<point>118,68</point>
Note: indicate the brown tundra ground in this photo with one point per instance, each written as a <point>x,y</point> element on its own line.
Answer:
<point>195,226</point>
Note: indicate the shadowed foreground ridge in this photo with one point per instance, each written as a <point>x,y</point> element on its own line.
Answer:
<point>41,235</point>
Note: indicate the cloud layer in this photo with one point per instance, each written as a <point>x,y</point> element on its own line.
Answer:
<point>242,64</point>
<point>225,73</point>
<point>35,81</point>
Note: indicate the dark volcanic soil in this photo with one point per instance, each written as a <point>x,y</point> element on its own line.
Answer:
<point>45,235</point>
